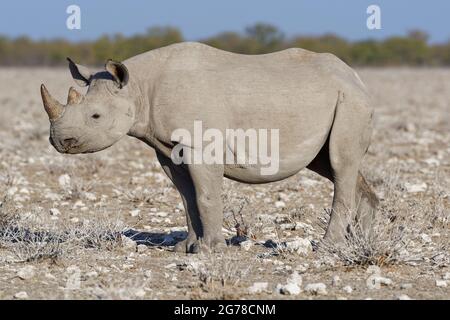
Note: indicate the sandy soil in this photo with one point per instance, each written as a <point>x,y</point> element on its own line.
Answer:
<point>102,226</point>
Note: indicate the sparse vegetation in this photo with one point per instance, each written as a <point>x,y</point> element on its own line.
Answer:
<point>412,49</point>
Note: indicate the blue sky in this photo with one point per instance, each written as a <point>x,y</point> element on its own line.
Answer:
<point>198,19</point>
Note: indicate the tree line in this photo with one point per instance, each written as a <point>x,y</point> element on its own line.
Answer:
<point>412,49</point>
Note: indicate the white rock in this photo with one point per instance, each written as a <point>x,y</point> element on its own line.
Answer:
<point>258,287</point>
<point>415,188</point>
<point>135,212</point>
<point>376,281</point>
<point>171,265</point>
<point>316,288</point>
<point>26,273</point>
<point>425,238</point>
<point>446,276</point>
<point>52,196</point>
<point>78,204</point>
<point>161,214</point>
<point>405,286</point>
<point>50,276</point>
<point>21,295</point>
<point>148,274</point>
<point>308,182</point>
<point>301,246</point>
<point>403,297</point>
<point>128,243</point>
<point>432,161</point>
<point>336,281</point>
<point>302,267</point>
<point>295,278</point>
<point>289,289</point>
<point>441,283</point>
<point>141,248</point>
<point>54,212</point>
<point>373,270</point>
<point>89,196</point>
<point>11,191</point>
<point>64,181</point>
<point>139,293</point>
<point>280,204</point>
<point>246,245</point>
<point>347,289</point>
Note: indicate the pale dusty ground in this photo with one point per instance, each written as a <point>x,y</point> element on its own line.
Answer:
<point>77,251</point>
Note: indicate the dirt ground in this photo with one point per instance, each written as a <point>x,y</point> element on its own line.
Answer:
<point>102,226</point>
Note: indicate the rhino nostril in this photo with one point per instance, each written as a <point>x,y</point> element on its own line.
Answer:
<point>67,143</point>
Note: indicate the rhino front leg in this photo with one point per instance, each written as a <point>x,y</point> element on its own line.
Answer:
<point>200,188</point>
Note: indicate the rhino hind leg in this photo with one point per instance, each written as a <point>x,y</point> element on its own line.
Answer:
<point>339,161</point>
<point>200,188</point>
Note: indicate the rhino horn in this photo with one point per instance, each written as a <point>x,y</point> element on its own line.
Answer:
<point>74,97</point>
<point>53,107</point>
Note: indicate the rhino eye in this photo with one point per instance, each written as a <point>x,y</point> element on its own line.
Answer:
<point>95,116</point>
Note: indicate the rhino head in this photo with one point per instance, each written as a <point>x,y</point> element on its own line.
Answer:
<point>95,121</point>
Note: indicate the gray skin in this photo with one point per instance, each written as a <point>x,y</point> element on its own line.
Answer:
<point>318,103</point>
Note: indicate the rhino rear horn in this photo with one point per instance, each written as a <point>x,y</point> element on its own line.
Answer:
<point>74,97</point>
<point>53,108</point>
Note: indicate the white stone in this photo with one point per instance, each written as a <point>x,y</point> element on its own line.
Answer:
<point>376,281</point>
<point>415,188</point>
<point>446,276</point>
<point>280,204</point>
<point>425,238</point>
<point>64,181</point>
<point>302,267</point>
<point>139,293</point>
<point>258,287</point>
<point>135,212</point>
<point>21,295</point>
<point>141,248</point>
<point>336,281</point>
<point>11,191</point>
<point>403,297</point>
<point>161,214</point>
<point>441,283</point>
<point>316,288</point>
<point>347,289</point>
<point>373,270</point>
<point>26,273</point>
<point>405,286</point>
<point>89,196</point>
<point>54,212</point>
<point>128,243</point>
<point>148,274</point>
<point>246,245</point>
<point>291,289</point>
<point>171,265</point>
<point>295,278</point>
<point>301,246</point>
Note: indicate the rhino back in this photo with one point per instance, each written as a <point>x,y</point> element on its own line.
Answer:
<point>293,90</point>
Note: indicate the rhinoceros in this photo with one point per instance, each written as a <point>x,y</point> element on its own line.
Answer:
<point>318,104</point>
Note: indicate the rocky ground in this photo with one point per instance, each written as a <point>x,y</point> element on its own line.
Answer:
<point>102,226</point>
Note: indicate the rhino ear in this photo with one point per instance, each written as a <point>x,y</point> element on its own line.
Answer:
<point>118,71</point>
<point>80,74</point>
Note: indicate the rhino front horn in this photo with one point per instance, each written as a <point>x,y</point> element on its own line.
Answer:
<point>53,108</point>
<point>74,96</point>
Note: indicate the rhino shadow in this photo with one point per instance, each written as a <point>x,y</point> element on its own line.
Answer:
<point>153,239</point>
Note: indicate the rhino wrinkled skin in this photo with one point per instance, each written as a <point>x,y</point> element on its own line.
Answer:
<point>318,103</point>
